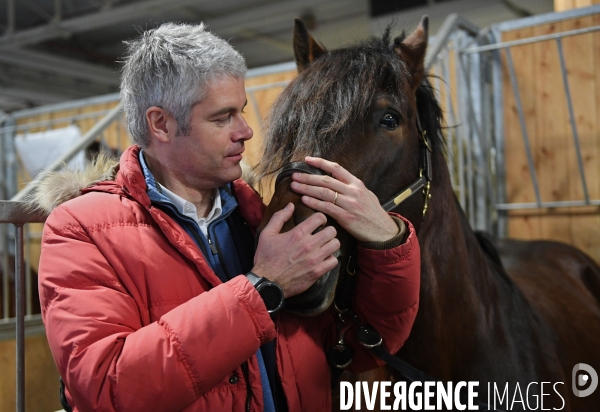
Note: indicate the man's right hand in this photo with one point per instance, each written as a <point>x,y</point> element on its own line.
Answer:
<point>298,258</point>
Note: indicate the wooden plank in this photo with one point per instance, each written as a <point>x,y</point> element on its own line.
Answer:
<point>519,183</point>
<point>553,133</point>
<point>264,99</point>
<point>579,58</point>
<point>41,376</point>
<point>562,5</point>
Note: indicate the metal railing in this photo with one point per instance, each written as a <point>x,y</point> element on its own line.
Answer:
<point>470,66</point>
<point>16,213</point>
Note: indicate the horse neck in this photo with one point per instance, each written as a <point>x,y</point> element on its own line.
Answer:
<point>463,295</point>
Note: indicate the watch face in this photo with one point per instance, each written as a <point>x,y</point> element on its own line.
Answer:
<point>272,296</point>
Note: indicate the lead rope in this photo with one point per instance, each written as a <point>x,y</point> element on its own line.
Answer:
<point>368,337</point>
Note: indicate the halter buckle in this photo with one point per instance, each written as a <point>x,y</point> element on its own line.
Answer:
<point>426,140</point>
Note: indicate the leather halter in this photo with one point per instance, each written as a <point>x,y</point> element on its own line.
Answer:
<point>422,182</point>
<point>425,174</point>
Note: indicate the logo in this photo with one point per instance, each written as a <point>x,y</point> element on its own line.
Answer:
<point>584,375</point>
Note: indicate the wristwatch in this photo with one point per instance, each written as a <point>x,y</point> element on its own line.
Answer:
<point>270,292</point>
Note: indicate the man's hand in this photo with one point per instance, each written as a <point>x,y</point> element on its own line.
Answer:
<point>298,258</point>
<point>354,207</point>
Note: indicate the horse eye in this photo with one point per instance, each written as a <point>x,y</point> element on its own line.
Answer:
<point>389,121</point>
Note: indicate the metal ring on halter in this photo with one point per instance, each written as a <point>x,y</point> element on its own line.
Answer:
<point>335,198</point>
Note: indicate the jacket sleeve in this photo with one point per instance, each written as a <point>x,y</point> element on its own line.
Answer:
<point>386,296</point>
<point>109,359</point>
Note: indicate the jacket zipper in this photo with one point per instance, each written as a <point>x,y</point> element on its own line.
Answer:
<point>216,250</point>
<point>213,248</point>
<point>248,388</point>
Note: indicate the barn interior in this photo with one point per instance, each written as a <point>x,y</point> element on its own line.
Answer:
<point>519,83</point>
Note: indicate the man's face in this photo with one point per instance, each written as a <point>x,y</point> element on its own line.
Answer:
<point>209,156</point>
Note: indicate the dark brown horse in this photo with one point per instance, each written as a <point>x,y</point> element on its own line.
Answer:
<point>520,313</point>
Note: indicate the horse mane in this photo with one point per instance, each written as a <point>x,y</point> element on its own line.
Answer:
<point>316,112</point>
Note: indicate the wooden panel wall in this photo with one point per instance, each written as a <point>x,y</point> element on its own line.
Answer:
<point>562,5</point>
<point>548,124</point>
<point>41,376</point>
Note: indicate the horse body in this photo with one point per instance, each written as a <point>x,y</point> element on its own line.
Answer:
<point>529,318</point>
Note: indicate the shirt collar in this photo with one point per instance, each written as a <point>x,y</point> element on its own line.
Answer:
<point>158,192</point>
<point>189,209</point>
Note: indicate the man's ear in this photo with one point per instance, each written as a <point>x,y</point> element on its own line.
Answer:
<point>306,48</point>
<point>412,51</point>
<point>161,125</point>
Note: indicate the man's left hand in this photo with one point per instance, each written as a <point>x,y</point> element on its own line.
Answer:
<point>346,199</point>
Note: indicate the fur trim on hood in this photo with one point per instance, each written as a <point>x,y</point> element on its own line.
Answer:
<point>55,188</point>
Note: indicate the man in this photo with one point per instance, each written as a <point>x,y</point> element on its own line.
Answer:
<point>149,281</point>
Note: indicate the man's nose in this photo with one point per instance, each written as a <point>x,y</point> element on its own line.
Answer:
<point>244,131</point>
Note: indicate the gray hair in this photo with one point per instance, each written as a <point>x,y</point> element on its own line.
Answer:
<point>169,67</point>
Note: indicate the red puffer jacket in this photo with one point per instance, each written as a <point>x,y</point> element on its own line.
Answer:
<point>137,320</point>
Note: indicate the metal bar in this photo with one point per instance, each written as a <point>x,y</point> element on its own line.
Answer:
<point>477,178</point>
<point>33,327</point>
<point>5,269</point>
<point>459,149</point>
<point>28,286</point>
<point>85,141</point>
<point>10,157</point>
<point>20,318</point>
<point>19,213</point>
<point>498,102</point>
<point>549,205</point>
<point>463,132</point>
<point>470,140</point>
<point>272,69</point>
<point>563,68</point>
<point>73,104</point>
<point>50,122</point>
<point>57,11</point>
<point>282,83</point>
<point>515,86</point>
<point>529,40</point>
<point>450,110</point>
<point>445,33</point>
<point>10,16</point>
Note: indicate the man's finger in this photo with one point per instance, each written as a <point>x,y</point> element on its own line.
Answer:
<point>278,219</point>
<point>315,221</point>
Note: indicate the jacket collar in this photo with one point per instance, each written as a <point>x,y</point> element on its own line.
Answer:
<point>130,182</point>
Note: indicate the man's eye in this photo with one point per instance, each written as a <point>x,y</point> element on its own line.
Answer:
<point>389,121</point>
<point>223,119</point>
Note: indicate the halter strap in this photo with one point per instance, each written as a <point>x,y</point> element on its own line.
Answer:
<point>425,174</point>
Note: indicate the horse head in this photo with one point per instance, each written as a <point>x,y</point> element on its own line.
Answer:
<point>356,106</point>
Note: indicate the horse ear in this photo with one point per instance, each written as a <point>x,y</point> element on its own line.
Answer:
<point>306,48</point>
<point>412,51</point>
